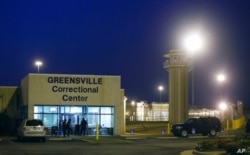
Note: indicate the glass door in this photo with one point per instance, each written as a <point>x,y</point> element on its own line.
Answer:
<point>74,123</point>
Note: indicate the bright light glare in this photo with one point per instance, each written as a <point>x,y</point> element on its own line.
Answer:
<point>193,42</point>
<point>38,63</point>
<point>223,106</point>
<point>221,78</point>
<point>160,88</point>
<point>133,103</point>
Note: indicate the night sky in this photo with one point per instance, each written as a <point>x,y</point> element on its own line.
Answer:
<point>128,38</point>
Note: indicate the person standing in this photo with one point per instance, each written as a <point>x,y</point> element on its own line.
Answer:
<point>84,124</point>
<point>69,129</point>
<point>64,127</point>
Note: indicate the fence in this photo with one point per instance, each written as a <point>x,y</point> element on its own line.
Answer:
<point>235,124</point>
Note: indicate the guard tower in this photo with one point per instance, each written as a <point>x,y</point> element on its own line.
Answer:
<point>178,64</point>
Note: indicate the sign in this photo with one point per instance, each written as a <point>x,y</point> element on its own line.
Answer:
<point>69,86</point>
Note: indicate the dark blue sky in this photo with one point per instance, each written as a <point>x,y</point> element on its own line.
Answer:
<point>127,38</point>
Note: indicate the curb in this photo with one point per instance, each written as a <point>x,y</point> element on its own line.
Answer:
<point>130,138</point>
<point>209,152</point>
<point>187,152</point>
<point>104,141</point>
<point>59,138</point>
<point>167,137</point>
<point>194,152</point>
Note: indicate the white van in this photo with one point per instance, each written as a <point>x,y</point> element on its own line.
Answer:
<point>31,128</point>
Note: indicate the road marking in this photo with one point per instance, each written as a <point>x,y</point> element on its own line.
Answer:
<point>105,141</point>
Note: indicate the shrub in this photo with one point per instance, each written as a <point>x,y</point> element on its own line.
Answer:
<point>207,145</point>
<point>232,146</point>
<point>222,143</point>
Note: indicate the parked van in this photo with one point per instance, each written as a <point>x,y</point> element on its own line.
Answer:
<point>31,128</point>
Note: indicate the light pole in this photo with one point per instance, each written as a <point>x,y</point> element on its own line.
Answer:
<point>193,42</point>
<point>221,78</point>
<point>134,110</point>
<point>223,106</point>
<point>160,88</point>
<point>38,64</point>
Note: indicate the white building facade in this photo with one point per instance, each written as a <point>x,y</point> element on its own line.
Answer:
<point>56,97</point>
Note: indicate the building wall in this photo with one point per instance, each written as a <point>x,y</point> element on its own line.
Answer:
<point>142,111</point>
<point>89,90</point>
<point>120,114</point>
<point>24,91</point>
<point>9,101</point>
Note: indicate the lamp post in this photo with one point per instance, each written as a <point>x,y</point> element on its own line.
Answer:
<point>223,107</point>
<point>221,78</point>
<point>38,64</point>
<point>133,110</point>
<point>160,88</point>
<point>193,42</point>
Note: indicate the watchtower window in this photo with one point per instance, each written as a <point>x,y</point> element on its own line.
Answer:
<point>175,59</point>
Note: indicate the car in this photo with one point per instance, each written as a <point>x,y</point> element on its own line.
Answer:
<point>247,126</point>
<point>200,125</point>
<point>31,128</point>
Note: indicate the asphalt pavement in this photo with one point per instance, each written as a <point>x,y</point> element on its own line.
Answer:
<point>152,133</point>
<point>156,133</point>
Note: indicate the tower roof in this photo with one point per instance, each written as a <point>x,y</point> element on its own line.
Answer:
<point>174,52</point>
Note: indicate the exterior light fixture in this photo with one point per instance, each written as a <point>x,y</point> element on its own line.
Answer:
<point>38,64</point>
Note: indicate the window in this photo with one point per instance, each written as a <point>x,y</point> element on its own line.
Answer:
<point>50,109</point>
<point>94,110</point>
<point>53,115</point>
<point>34,123</point>
<point>50,119</point>
<point>106,110</point>
<point>38,109</point>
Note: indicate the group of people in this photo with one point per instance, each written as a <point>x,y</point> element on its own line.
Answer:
<point>67,128</point>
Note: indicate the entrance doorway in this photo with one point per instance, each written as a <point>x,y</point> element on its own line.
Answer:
<point>74,121</point>
<point>53,116</point>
